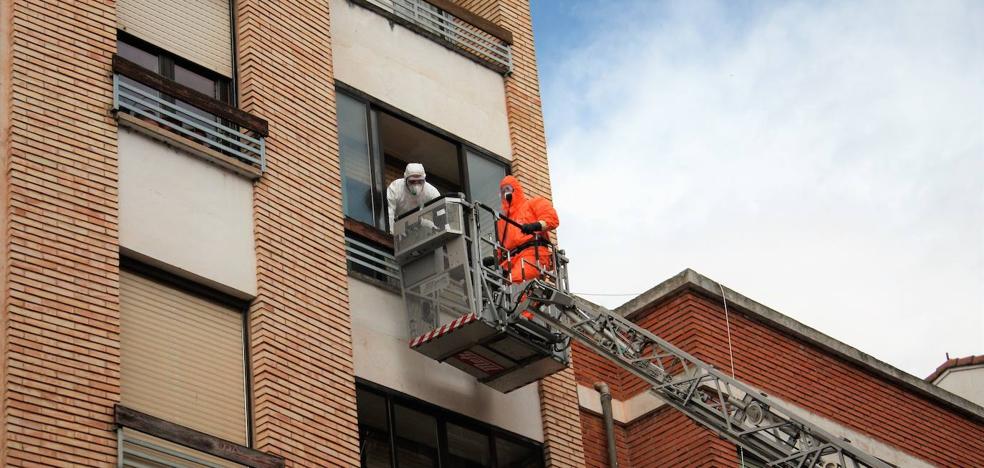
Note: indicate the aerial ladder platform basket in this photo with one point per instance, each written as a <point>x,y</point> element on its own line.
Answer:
<point>457,307</point>
<point>464,311</point>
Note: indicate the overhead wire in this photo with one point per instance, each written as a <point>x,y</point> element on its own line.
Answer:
<point>605,294</point>
<point>731,356</point>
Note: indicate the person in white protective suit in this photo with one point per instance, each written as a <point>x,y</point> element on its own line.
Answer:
<point>409,193</point>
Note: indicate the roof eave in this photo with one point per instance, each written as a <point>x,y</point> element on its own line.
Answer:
<point>691,280</point>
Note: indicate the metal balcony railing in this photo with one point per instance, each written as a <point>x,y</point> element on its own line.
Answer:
<point>188,114</point>
<point>139,452</point>
<point>372,261</point>
<point>484,41</point>
<point>147,441</point>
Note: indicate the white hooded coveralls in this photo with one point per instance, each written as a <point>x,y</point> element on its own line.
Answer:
<point>400,200</point>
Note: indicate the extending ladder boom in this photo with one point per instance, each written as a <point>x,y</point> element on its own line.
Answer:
<point>721,403</point>
<point>465,311</point>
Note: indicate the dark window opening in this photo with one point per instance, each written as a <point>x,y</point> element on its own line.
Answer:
<point>401,431</point>
<point>375,145</point>
<point>175,68</point>
<point>174,111</point>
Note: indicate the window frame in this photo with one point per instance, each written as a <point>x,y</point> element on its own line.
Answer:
<point>443,416</point>
<point>136,266</point>
<point>378,160</point>
<point>167,60</point>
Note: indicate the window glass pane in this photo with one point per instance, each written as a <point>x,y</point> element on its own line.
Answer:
<point>511,454</point>
<point>374,445</point>
<point>484,176</point>
<point>353,136</point>
<point>467,448</point>
<point>140,57</point>
<point>205,86</point>
<point>144,59</point>
<point>416,438</point>
<point>196,81</point>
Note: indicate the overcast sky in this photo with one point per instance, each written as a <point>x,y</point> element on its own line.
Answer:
<point>822,158</point>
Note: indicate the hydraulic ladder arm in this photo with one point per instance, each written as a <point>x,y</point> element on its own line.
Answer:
<point>721,403</point>
<point>471,316</point>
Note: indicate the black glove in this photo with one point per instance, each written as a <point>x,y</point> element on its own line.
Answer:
<point>530,228</point>
<point>488,262</point>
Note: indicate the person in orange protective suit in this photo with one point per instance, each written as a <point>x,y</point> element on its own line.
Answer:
<point>526,244</point>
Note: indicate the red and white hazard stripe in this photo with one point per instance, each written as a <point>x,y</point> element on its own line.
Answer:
<point>438,332</point>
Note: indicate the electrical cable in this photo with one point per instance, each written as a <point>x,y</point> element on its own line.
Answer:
<point>605,294</point>
<point>731,355</point>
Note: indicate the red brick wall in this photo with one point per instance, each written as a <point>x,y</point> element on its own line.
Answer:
<point>300,327</point>
<point>596,445</point>
<point>667,438</point>
<point>60,285</point>
<point>838,390</point>
<point>592,368</point>
<point>796,372</point>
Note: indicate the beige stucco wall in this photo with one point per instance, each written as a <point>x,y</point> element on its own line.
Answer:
<point>379,334</point>
<point>967,382</point>
<point>185,214</point>
<point>419,76</point>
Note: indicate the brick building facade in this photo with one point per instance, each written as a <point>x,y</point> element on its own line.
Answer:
<point>173,170</point>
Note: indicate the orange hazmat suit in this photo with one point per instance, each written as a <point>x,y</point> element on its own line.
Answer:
<point>524,249</point>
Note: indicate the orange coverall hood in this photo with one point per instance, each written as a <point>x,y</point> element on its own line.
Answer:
<point>518,196</point>
<point>523,262</point>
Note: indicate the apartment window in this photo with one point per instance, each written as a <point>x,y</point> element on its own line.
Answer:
<point>182,353</point>
<point>200,31</point>
<point>175,68</point>
<point>396,430</point>
<point>376,145</point>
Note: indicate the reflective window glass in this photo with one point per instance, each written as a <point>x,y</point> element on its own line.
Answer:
<point>484,176</point>
<point>374,443</point>
<point>467,448</point>
<point>353,138</point>
<point>140,57</point>
<point>416,438</point>
<point>510,454</point>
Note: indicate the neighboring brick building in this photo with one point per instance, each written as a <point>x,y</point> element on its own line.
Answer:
<point>192,239</point>
<point>886,412</point>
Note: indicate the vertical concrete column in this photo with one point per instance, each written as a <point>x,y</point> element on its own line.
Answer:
<point>300,328</point>
<point>59,289</point>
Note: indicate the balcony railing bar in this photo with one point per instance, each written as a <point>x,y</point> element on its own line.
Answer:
<point>446,25</point>
<point>136,101</point>
<point>473,40</point>
<point>372,258</point>
<point>177,112</point>
<point>439,21</point>
<point>195,98</point>
<point>156,449</point>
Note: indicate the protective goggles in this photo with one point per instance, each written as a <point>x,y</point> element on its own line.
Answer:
<point>416,181</point>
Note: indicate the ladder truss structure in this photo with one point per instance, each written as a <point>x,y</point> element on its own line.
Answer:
<point>719,402</point>
<point>464,311</point>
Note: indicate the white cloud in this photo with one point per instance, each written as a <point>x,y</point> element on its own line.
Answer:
<point>824,158</point>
